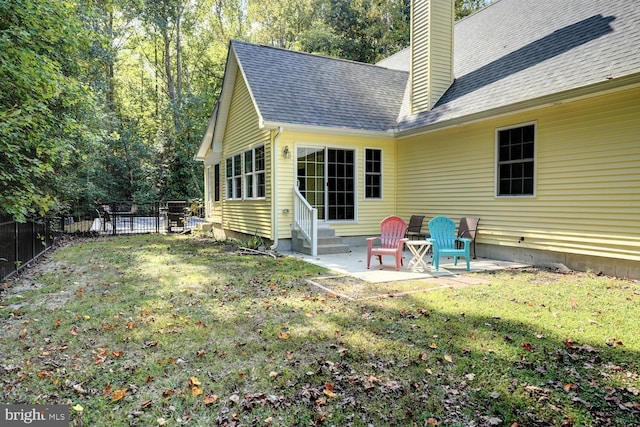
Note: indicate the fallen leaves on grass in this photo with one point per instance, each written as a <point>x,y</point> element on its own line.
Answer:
<point>284,335</point>
<point>527,346</point>
<point>195,385</point>
<point>118,395</point>
<point>210,399</point>
<point>328,390</point>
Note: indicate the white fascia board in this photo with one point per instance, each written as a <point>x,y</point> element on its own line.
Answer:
<point>327,130</point>
<point>224,100</point>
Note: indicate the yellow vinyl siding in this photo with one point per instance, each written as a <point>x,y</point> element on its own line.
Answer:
<point>587,179</point>
<point>420,56</point>
<point>242,133</point>
<point>284,181</point>
<point>441,75</point>
<point>368,212</point>
<point>431,52</point>
<point>372,211</point>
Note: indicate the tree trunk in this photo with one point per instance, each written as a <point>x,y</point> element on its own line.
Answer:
<point>110,69</point>
<point>178,58</point>
<point>171,90</point>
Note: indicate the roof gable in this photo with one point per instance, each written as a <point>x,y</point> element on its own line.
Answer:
<point>303,89</point>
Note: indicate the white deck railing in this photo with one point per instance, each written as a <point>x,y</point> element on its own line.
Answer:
<point>305,220</point>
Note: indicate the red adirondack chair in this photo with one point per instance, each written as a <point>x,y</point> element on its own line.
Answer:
<point>391,240</point>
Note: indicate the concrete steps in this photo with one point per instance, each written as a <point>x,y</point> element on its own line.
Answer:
<point>328,242</point>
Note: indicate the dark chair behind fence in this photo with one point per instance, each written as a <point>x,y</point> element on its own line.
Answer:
<point>177,212</point>
<point>414,228</point>
<point>468,229</point>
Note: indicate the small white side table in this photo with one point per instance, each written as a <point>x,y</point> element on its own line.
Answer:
<point>419,249</point>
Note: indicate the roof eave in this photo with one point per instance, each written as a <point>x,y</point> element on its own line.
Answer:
<point>584,92</point>
<point>207,140</point>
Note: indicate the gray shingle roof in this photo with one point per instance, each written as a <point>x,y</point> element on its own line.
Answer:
<point>299,88</point>
<point>516,50</point>
<point>510,52</point>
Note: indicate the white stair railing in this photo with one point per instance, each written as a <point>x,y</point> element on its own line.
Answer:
<point>305,220</point>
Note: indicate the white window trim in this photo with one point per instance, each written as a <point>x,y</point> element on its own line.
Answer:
<point>232,189</point>
<point>497,160</point>
<point>254,173</point>
<point>208,186</point>
<point>364,171</point>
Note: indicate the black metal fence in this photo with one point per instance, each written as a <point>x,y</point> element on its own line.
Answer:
<point>128,217</point>
<point>21,243</point>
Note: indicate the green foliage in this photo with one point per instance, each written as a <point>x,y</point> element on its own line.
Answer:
<point>359,30</point>
<point>47,110</point>
<point>254,242</point>
<point>368,30</point>
<point>467,7</point>
<point>281,23</point>
<point>108,99</point>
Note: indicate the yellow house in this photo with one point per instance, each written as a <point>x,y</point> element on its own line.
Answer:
<point>525,114</point>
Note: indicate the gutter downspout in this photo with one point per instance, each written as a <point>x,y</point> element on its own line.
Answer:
<point>274,188</point>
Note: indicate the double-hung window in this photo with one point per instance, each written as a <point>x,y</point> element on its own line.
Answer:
<point>372,173</point>
<point>254,173</point>
<point>516,161</point>
<point>234,177</point>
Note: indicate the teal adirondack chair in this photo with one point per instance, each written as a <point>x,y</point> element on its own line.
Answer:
<point>443,238</point>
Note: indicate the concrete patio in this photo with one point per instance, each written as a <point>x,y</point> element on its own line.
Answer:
<point>355,264</point>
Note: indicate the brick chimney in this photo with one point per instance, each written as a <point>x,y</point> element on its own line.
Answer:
<point>431,52</point>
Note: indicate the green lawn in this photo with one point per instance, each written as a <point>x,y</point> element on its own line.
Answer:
<point>180,330</point>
